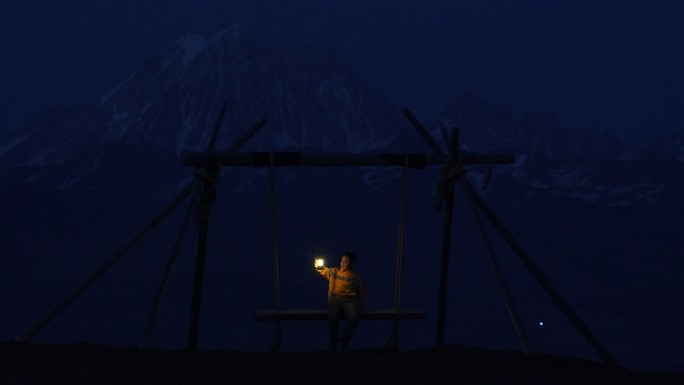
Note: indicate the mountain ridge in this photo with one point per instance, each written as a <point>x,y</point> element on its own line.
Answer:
<point>312,99</point>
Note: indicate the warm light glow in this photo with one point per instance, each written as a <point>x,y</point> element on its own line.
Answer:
<point>320,262</point>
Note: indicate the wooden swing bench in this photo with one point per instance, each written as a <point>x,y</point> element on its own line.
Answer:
<point>394,315</point>
<point>322,315</point>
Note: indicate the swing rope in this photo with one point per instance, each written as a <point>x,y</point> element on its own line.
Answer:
<point>394,338</point>
<point>274,249</point>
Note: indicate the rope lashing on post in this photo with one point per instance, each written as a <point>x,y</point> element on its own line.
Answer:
<point>452,169</point>
<point>210,175</point>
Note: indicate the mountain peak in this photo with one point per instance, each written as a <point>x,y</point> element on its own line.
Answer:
<point>468,98</point>
<point>310,98</point>
<point>235,31</point>
<point>233,37</point>
<point>190,46</point>
<point>482,126</point>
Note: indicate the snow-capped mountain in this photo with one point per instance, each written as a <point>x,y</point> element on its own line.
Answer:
<point>485,127</point>
<point>313,101</point>
<point>310,99</point>
<point>562,161</point>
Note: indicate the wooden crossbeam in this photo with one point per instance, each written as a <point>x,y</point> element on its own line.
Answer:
<point>322,315</point>
<point>280,159</point>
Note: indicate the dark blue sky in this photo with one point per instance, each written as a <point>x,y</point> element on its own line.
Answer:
<point>616,65</point>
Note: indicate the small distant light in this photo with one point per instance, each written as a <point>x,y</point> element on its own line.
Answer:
<point>541,323</point>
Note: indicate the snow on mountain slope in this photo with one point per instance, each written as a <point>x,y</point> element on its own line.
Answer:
<point>551,159</point>
<point>315,101</point>
<point>311,100</point>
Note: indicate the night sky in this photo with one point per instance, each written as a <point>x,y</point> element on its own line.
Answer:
<point>615,65</point>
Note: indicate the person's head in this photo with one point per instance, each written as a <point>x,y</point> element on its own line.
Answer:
<point>347,262</point>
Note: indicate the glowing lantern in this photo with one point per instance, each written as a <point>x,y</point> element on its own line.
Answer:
<point>320,262</point>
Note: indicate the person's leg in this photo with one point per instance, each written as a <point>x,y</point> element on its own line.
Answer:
<point>352,314</point>
<point>333,322</point>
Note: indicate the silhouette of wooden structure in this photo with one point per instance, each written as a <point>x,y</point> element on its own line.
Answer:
<point>203,191</point>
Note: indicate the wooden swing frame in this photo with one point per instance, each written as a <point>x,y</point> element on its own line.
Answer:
<point>207,170</point>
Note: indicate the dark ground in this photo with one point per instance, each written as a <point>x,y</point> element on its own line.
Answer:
<point>22,363</point>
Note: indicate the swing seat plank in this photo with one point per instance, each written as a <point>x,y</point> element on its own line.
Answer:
<point>322,315</point>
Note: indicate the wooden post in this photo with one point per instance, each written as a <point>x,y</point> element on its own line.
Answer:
<point>508,298</point>
<point>246,136</point>
<point>422,131</point>
<point>203,210</point>
<point>164,284</point>
<point>209,170</point>
<point>444,265</point>
<point>446,186</point>
<point>92,277</point>
<point>210,175</point>
<point>543,281</point>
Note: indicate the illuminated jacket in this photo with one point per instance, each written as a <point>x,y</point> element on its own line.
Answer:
<point>346,284</point>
